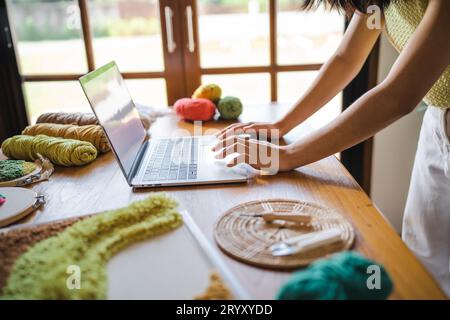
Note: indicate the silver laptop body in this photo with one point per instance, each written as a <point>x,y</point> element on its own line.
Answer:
<point>152,162</point>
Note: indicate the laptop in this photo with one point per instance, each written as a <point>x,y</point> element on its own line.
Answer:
<point>155,162</point>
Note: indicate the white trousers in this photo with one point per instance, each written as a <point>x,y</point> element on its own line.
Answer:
<point>426,222</point>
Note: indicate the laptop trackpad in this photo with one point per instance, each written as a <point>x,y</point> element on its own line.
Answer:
<point>242,169</point>
<point>218,166</point>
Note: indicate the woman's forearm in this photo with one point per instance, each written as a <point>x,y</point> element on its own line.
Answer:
<point>419,66</point>
<point>332,78</point>
<point>372,112</point>
<point>336,74</point>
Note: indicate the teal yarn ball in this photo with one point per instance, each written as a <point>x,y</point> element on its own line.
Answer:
<point>344,276</point>
<point>230,108</point>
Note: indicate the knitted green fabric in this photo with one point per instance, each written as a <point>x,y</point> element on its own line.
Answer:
<point>42,271</point>
<point>13,169</point>
<point>344,276</point>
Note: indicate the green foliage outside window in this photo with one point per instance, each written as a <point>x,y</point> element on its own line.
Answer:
<point>28,29</point>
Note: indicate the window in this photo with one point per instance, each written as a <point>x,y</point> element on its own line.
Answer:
<point>60,40</point>
<point>258,50</point>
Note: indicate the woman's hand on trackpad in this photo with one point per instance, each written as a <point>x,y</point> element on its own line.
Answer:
<point>261,155</point>
<point>254,130</point>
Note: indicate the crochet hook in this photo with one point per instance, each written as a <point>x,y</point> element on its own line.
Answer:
<point>305,242</point>
<point>269,217</point>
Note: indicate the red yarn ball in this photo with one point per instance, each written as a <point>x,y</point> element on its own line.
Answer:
<point>195,109</point>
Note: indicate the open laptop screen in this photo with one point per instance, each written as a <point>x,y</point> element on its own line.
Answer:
<point>116,112</point>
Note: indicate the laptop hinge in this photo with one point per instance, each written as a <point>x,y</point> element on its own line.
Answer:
<point>137,162</point>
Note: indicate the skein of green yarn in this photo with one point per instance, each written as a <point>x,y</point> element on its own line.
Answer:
<point>341,277</point>
<point>64,152</point>
<point>91,133</point>
<point>230,108</point>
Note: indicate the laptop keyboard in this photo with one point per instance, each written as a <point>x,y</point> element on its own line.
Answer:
<point>173,159</point>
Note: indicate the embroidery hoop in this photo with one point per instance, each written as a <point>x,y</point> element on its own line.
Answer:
<point>20,202</point>
<point>43,171</point>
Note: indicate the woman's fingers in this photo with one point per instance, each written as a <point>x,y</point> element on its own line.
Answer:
<point>237,130</point>
<point>230,130</point>
<point>236,160</point>
<point>245,158</point>
<point>258,154</point>
<point>262,130</point>
<point>222,131</point>
<point>247,151</point>
<point>228,142</point>
<point>236,147</point>
<point>254,126</point>
<point>253,130</point>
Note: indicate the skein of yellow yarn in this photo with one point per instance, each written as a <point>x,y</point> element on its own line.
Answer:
<point>64,152</point>
<point>90,133</point>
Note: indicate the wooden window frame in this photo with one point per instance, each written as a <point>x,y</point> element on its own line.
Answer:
<point>358,159</point>
<point>182,70</point>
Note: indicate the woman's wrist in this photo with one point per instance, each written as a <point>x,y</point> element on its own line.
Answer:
<point>288,160</point>
<point>281,126</point>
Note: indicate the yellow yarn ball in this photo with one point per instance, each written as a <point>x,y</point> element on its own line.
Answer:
<point>208,91</point>
<point>64,152</point>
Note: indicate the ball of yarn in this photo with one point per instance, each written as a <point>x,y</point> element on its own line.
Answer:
<point>195,109</point>
<point>208,91</point>
<point>91,133</point>
<point>78,118</point>
<point>147,115</point>
<point>230,108</point>
<point>64,152</point>
<point>344,276</point>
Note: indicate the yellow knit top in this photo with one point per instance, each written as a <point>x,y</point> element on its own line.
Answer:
<point>402,19</point>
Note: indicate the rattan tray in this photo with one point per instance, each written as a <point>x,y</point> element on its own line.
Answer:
<point>248,238</point>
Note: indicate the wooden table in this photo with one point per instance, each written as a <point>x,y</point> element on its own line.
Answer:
<point>101,186</point>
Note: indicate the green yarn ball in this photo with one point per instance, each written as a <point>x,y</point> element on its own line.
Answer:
<point>230,108</point>
<point>344,276</point>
